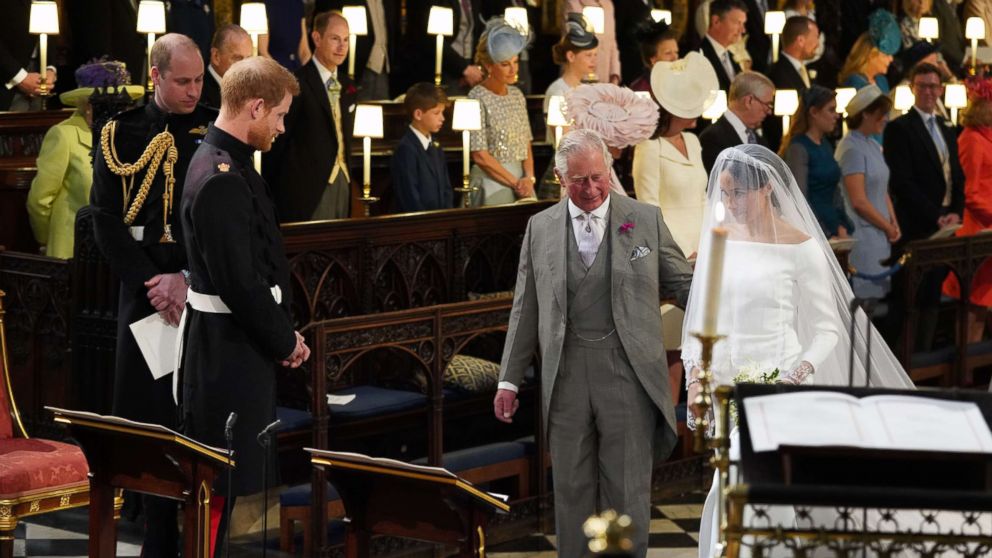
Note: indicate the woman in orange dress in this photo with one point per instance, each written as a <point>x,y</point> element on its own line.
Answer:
<point>975,152</point>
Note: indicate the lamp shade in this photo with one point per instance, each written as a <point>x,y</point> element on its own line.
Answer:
<point>253,18</point>
<point>718,105</point>
<point>929,29</point>
<point>596,18</point>
<point>467,115</point>
<point>151,17</point>
<point>844,96</point>
<point>368,121</point>
<point>974,28</point>
<point>44,18</point>
<point>556,111</point>
<point>441,21</point>
<point>517,17</point>
<point>786,102</point>
<point>904,98</point>
<point>774,22</point>
<point>357,22</point>
<point>955,95</point>
<point>659,15</point>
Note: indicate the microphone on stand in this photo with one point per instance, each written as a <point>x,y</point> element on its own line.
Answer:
<point>855,304</point>
<point>265,440</point>
<point>229,436</point>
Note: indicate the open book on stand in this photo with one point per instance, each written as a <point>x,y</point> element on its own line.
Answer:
<point>882,422</point>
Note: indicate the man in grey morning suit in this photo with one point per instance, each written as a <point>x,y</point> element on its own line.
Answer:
<point>593,270</point>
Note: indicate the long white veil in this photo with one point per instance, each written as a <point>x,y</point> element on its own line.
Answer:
<point>770,224</point>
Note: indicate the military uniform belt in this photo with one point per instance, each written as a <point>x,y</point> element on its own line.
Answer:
<point>211,304</point>
<point>137,233</point>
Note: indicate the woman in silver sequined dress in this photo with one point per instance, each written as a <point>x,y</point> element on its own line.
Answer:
<point>504,163</point>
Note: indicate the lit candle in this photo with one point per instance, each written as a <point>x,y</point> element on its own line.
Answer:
<point>366,165</point>
<point>714,276</point>
<point>437,60</point>
<point>465,157</point>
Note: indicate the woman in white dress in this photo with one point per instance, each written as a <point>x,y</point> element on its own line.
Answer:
<point>668,168</point>
<point>784,302</point>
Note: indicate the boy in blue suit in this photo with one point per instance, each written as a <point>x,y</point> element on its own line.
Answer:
<point>419,169</point>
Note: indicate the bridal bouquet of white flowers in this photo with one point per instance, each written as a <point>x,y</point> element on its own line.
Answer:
<point>751,374</point>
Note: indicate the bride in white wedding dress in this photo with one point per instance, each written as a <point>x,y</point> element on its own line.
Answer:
<point>784,301</point>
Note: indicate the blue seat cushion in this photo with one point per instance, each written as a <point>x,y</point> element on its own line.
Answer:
<point>293,419</point>
<point>932,358</point>
<point>373,401</point>
<point>299,495</point>
<point>480,456</point>
<point>980,348</point>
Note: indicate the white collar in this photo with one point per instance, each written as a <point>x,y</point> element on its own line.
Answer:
<point>924,115</point>
<point>602,211</point>
<point>424,140</point>
<point>738,125</point>
<point>213,72</point>
<point>324,73</point>
<point>794,61</point>
<point>720,49</point>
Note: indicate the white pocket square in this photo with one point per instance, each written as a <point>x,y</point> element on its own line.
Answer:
<point>639,252</point>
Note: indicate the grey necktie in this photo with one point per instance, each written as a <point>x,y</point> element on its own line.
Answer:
<point>751,136</point>
<point>728,65</point>
<point>938,138</point>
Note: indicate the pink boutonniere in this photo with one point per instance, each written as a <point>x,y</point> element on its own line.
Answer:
<point>626,228</point>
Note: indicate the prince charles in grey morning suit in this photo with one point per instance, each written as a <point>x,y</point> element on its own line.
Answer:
<point>592,274</point>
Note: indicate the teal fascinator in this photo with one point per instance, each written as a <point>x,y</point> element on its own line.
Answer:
<point>503,40</point>
<point>883,30</point>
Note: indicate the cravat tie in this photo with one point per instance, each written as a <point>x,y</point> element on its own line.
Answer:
<point>804,74</point>
<point>334,98</point>
<point>588,240</point>
<point>751,136</point>
<point>728,65</point>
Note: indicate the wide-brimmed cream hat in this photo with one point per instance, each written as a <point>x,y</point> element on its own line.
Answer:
<point>864,97</point>
<point>683,87</point>
<point>101,73</point>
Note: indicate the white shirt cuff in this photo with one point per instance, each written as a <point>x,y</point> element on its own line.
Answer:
<point>507,385</point>
<point>17,79</point>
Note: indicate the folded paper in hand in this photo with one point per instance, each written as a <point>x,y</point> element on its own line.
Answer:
<point>886,422</point>
<point>157,341</point>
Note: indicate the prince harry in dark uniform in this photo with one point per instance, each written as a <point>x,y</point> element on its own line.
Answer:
<point>238,323</point>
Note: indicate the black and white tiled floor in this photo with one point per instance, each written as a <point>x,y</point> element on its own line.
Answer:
<point>674,532</point>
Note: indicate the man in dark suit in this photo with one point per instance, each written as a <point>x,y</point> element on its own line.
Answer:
<point>16,47</point>
<point>749,102</point>
<point>629,15</point>
<point>926,181</point>
<point>727,19</point>
<point>309,170</point>
<point>375,52</point>
<point>952,41</point>
<point>230,44</point>
<point>419,169</point>
<point>759,45</point>
<point>459,72</point>
<point>800,39</point>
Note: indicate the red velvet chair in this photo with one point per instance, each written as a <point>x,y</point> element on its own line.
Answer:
<point>36,476</point>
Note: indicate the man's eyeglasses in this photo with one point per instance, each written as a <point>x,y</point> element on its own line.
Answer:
<point>767,106</point>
